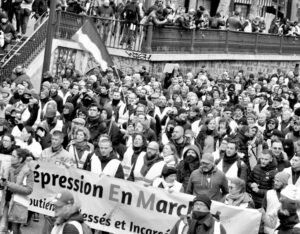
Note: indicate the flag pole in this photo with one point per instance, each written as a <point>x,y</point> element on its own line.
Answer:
<point>49,36</point>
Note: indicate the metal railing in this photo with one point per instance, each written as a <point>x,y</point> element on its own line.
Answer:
<point>172,39</point>
<point>26,52</point>
<point>114,33</point>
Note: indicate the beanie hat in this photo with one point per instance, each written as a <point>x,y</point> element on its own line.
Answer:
<point>79,121</point>
<point>69,106</point>
<point>34,94</point>
<point>207,158</point>
<point>46,85</point>
<point>203,198</point>
<point>207,103</point>
<point>54,86</point>
<point>283,177</point>
<point>291,192</point>
<point>168,171</point>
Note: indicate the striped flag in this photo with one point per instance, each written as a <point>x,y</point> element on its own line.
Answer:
<point>91,41</point>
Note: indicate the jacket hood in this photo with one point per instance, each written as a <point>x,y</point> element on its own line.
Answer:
<point>191,147</point>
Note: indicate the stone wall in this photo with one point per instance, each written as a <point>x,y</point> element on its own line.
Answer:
<point>130,65</point>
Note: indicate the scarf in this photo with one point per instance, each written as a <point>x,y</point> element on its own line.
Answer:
<point>15,172</point>
<point>237,199</point>
<point>230,160</point>
<point>197,221</point>
<point>148,163</point>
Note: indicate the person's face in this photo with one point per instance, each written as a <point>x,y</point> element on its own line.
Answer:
<point>262,100</point>
<point>75,89</point>
<point>277,184</point>
<point>177,133</point>
<point>250,121</point>
<point>250,107</point>
<point>104,115</point>
<point>56,141</point>
<point>93,112</point>
<point>117,96</point>
<point>233,190</point>
<point>21,89</point>
<point>151,151</point>
<point>211,125</point>
<point>171,178</point>
<point>252,132</point>
<point>238,113</point>
<point>276,148</point>
<point>66,84</point>
<point>175,81</point>
<point>139,128</point>
<point>80,136</point>
<point>262,119</point>
<point>140,110</point>
<point>59,211</point>
<point>162,100</point>
<point>200,206</point>
<point>227,114</point>
<point>15,159</point>
<point>131,99</point>
<point>230,149</point>
<point>295,162</point>
<point>138,141</point>
<point>167,150</point>
<point>25,135</point>
<point>105,148</point>
<point>206,167</point>
<point>6,141</point>
<point>265,160</point>
<point>271,125</point>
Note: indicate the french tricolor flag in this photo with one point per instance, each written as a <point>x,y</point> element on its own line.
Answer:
<point>91,41</point>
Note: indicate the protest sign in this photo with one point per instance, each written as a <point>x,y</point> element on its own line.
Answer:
<point>237,220</point>
<point>111,204</point>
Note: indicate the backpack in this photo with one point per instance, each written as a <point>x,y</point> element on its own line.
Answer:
<point>81,227</point>
<point>131,12</point>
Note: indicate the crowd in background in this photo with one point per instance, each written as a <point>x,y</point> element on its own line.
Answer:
<point>235,138</point>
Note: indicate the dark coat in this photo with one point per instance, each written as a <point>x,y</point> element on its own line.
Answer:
<point>264,177</point>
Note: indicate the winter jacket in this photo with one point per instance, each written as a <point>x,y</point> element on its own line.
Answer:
<point>213,183</point>
<point>66,224</point>
<point>185,169</point>
<point>184,223</point>
<point>19,185</point>
<point>264,177</point>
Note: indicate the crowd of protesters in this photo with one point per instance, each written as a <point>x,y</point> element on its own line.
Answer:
<point>234,138</point>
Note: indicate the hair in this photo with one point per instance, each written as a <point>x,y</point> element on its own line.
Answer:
<point>105,140</point>
<point>24,154</point>
<point>239,183</point>
<point>277,141</point>
<point>232,141</point>
<point>12,138</point>
<point>31,131</point>
<point>175,152</point>
<point>85,131</point>
<point>267,151</point>
<point>59,134</point>
<point>144,145</point>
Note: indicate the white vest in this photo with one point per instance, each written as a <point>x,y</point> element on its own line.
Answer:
<point>232,171</point>
<point>110,169</point>
<point>290,181</point>
<point>154,172</point>
<point>126,162</point>
<point>183,227</point>
<point>176,186</point>
<point>58,229</point>
<point>273,205</point>
<point>80,161</point>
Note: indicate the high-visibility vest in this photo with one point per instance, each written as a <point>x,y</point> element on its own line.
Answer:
<point>153,173</point>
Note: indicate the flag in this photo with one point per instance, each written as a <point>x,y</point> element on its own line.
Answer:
<point>91,41</point>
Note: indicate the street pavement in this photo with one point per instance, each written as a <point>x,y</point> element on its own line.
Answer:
<point>34,227</point>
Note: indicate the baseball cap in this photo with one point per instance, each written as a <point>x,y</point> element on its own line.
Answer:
<point>207,158</point>
<point>63,198</point>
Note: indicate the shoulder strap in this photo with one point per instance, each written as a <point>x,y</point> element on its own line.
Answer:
<point>77,225</point>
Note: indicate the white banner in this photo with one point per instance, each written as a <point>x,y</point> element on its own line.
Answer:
<point>115,205</point>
